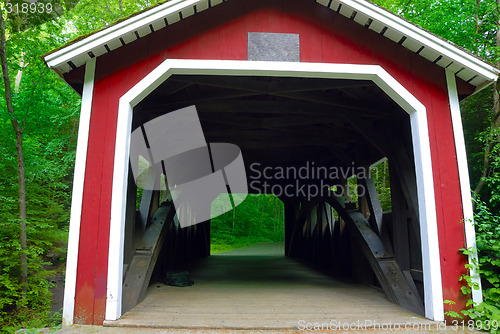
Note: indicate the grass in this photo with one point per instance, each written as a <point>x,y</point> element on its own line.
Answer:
<point>230,243</point>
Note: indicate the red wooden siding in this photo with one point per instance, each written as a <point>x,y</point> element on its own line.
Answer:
<point>221,33</point>
<point>91,281</point>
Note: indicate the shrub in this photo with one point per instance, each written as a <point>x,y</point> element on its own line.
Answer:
<point>486,315</point>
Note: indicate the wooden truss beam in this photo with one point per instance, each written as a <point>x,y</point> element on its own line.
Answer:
<point>398,155</point>
<point>373,202</point>
<point>189,98</point>
<point>381,259</point>
<point>286,157</point>
<point>376,107</point>
<point>298,224</point>
<point>276,85</point>
<point>149,200</point>
<point>333,93</point>
<point>147,249</point>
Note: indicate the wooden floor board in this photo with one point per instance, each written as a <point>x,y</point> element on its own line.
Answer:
<point>253,290</point>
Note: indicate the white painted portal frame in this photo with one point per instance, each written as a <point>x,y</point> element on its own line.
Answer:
<point>463,172</point>
<point>77,197</point>
<point>421,147</point>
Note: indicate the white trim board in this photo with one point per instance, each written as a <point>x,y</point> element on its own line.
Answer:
<point>445,54</point>
<point>463,172</point>
<point>416,38</point>
<point>78,51</point>
<point>418,118</point>
<point>77,194</point>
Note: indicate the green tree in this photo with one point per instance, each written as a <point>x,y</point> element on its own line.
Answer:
<point>18,131</point>
<point>17,20</point>
<point>474,25</point>
<point>38,125</point>
<point>32,104</point>
<point>259,218</point>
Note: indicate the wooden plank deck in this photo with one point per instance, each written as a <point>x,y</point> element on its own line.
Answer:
<point>247,289</point>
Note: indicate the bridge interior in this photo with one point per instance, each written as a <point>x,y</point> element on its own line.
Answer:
<point>257,287</point>
<point>343,126</point>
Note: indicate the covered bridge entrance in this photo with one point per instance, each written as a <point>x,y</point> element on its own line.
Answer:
<point>328,88</point>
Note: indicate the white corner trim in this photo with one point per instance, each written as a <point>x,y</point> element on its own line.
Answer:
<point>463,173</point>
<point>418,118</point>
<point>433,289</point>
<point>118,205</point>
<point>77,195</point>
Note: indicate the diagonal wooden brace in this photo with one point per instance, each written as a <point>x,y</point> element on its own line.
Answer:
<point>139,272</point>
<point>381,259</point>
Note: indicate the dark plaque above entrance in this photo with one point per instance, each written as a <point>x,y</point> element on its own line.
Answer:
<point>273,47</point>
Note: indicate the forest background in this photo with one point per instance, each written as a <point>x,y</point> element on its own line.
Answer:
<point>39,117</point>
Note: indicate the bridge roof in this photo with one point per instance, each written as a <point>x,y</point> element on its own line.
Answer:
<point>467,66</point>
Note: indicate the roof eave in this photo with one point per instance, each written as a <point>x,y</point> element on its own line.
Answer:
<point>466,66</point>
<point>444,47</point>
<point>139,23</point>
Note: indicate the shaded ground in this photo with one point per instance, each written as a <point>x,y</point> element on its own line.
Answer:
<point>258,290</point>
<point>117,330</point>
<point>257,287</point>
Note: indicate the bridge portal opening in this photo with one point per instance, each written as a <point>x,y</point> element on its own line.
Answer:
<point>337,154</point>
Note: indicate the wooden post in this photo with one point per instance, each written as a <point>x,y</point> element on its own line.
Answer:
<point>290,217</point>
<point>130,221</point>
<point>399,221</point>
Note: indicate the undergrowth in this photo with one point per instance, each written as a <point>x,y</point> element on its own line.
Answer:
<point>485,315</point>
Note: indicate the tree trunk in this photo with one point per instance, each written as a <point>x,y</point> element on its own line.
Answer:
<point>492,139</point>
<point>23,260</point>
<point>18,130</point>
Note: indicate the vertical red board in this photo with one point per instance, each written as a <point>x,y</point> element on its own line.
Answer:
<point>89,230</point>
<point>91,281</point>
<point>449,210</point>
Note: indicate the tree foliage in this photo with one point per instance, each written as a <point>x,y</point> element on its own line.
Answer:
<point>46,111</point>
<point>488,247</point>
<point>485,315</point>
<point>41,103</point>
<point>260,218</point>
<point>471,24</point>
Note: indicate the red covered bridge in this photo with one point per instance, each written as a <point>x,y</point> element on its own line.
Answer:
<point>336,82</point>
